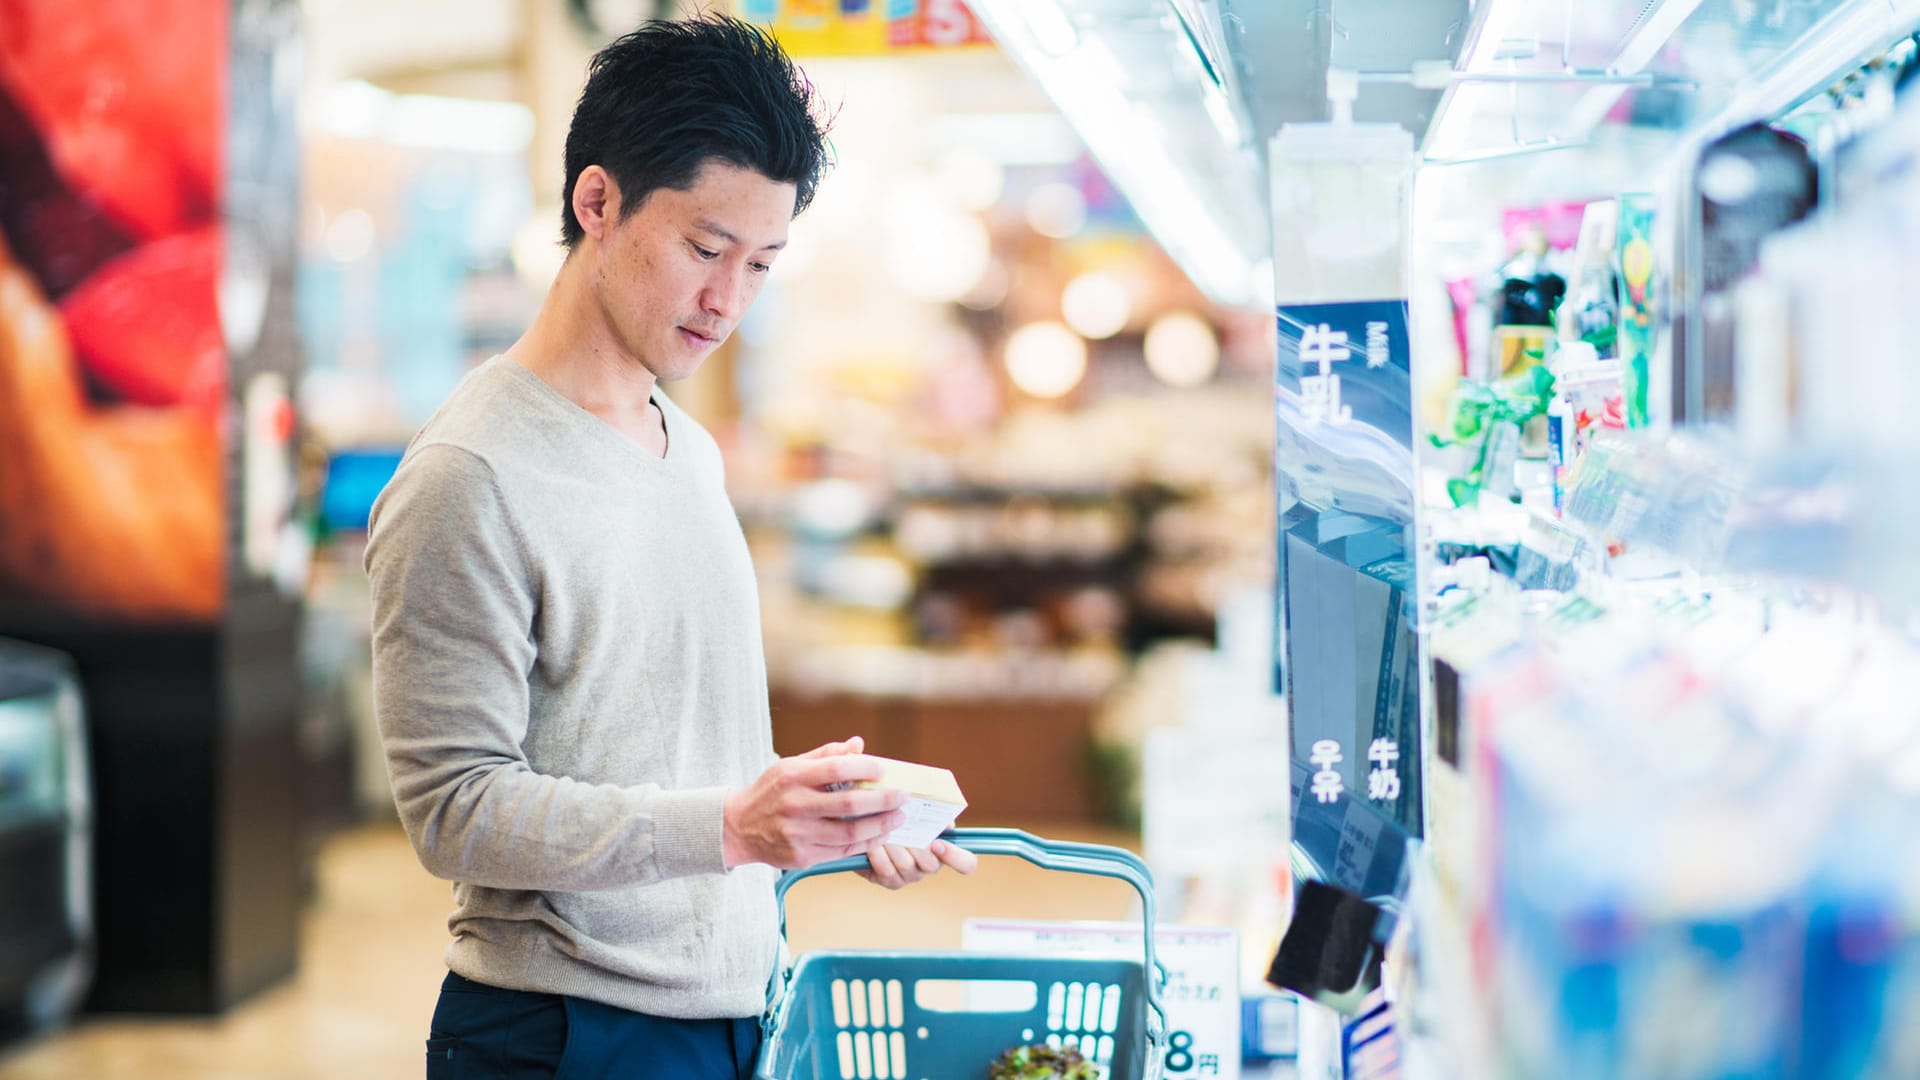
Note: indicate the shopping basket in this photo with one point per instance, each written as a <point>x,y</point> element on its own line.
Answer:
<point>870,1015</point>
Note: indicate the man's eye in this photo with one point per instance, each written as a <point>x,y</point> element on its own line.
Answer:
<point>704,253</point>
<point>761,268</point>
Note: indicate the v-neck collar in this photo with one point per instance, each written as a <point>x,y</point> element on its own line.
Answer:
<point>605,430</point>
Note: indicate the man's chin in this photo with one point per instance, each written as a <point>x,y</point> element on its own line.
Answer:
<point>679,368</point>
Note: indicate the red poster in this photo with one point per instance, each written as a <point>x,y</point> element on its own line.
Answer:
<point>112,362</point>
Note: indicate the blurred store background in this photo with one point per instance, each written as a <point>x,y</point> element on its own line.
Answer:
<point>1432,476</point>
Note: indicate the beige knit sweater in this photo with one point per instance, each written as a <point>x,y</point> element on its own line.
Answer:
<point>568,678</point>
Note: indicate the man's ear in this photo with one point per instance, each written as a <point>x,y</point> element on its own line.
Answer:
<point>596,201</point>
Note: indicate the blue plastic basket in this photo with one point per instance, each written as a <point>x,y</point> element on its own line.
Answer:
<point>865,1015</point>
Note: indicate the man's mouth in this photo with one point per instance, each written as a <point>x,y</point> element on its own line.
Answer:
<point>701,338</point>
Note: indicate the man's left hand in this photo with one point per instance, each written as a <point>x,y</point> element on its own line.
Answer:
<point>897,867</point>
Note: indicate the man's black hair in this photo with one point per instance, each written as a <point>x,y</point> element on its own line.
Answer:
<point>671,96</point>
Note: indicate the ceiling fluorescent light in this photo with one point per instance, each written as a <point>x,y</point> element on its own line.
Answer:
<point>1173,211</point>
<point>1180,205</point>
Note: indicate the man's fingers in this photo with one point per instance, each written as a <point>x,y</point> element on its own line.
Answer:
<point>876,827</point>
<point>885,871</point>
<point>852,803</point>
<point>855,745</point>
<point>904,863</point>
<point>923,860</point>
<point>955,856</point>
<point>896,866</point>
<point>854,834</point>
<point>841,768</point>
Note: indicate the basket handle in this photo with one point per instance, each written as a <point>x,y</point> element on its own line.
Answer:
<point>1098,860</point>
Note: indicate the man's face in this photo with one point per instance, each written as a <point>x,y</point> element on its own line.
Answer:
<point>676,277</point>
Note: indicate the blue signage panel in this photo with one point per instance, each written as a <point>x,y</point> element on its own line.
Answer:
<point>1348,652</point>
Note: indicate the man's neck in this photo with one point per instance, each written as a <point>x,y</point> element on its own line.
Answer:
<point>572,349</point>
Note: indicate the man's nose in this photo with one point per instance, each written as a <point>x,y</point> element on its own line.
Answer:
<point>725,293</point>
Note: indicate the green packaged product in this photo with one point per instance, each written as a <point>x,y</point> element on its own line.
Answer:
<point>1636,302</point>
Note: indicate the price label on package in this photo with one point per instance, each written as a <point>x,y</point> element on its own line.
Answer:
<point>1202,993</point>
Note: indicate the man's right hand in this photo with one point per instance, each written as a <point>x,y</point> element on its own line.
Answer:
<point>789,819</point>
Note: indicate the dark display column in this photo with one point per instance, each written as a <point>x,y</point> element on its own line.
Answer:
<point>258,828</point>
<point>258,839</point>
<point>152,714</point>
<point>197,808</point>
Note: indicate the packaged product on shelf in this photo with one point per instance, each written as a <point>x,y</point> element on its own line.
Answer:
<point>1860,1010</point>
<point>1550,556</point>
<point>1764,362</point>
<point>1586,396</point>
<point>1540,329</point>
<point>1688,804</point>
<point>1491,418</point>
<point>1531,290</point>
<point>1753,183</point>
<point>1629,955</point>
<point>1635,254</point>
<point>1560,426</point>
<point>1591,312</point>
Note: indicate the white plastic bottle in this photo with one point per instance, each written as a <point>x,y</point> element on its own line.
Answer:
<point>1560,424</point>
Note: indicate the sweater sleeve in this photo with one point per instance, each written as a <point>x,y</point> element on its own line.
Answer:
<point>455,597</point>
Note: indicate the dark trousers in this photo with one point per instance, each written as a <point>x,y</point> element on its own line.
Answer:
<point>482,1032</point>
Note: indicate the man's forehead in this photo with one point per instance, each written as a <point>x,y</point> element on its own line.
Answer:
<point>724,179</point>
<point>742,206</point>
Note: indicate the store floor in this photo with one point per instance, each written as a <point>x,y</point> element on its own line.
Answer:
<point>370,966</point>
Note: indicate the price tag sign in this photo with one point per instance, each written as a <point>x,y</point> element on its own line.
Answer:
<point>1202,994</point>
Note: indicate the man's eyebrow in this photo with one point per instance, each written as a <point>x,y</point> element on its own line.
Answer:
<point>706,226</point>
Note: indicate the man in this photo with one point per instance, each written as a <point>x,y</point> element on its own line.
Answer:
<point>567,666</point>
